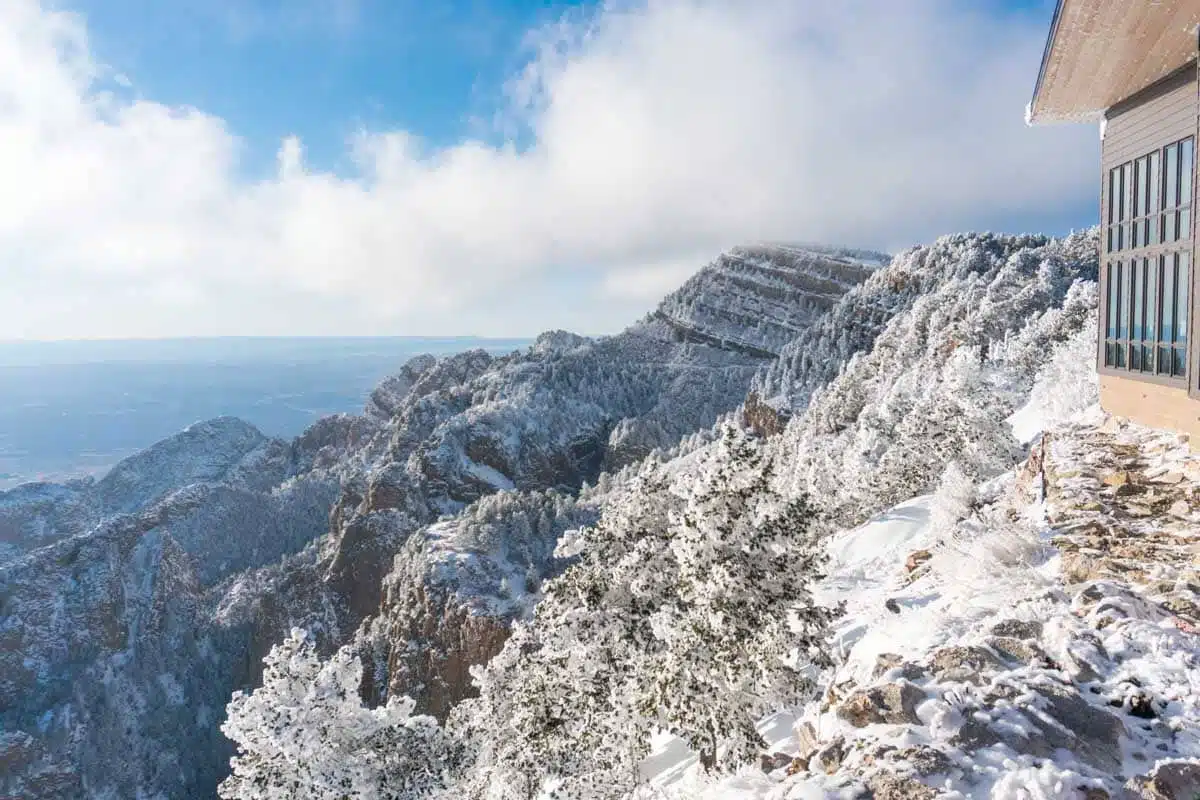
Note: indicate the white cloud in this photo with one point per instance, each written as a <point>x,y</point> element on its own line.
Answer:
<point>657,131</point>
<point>647,283</point>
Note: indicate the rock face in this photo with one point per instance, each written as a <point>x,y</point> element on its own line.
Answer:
<point>893,703</point>
<point>777,291</point>
<point>1171,781</point>
<point>132,607</point>
<point>223,451</point>
<point>111,650</point>
<point>37,514</point>
<point>550,420</point>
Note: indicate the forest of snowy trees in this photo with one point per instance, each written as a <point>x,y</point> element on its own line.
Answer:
<point>687,606</point>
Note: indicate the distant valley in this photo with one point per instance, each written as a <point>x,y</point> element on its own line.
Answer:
<point>71,409</point>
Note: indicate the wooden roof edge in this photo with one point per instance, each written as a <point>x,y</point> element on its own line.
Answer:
<point>1032,116</point>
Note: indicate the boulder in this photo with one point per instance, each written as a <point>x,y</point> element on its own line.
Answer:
<point>1175,780</point>
<point>831,756</point>
<point>893,703</point>
<point>769,762</point>
<point>886,786</point>
<point>1092,734</point>
<point>963,663</point>
<point>886,662</point>
<point>1062,720</point>
<point>806,740</point>
<point>1017,629</point>
<point>1017,650</point>
<point>916,559</point>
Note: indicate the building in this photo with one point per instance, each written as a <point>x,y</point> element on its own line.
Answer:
<point>1130,65</point>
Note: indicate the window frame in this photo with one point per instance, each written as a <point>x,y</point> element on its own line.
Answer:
<point>1139,197</point>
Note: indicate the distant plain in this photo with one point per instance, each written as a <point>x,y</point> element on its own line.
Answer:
<point>69,409</point>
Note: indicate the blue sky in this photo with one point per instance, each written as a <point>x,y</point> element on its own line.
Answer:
<point>322,69</point>
<point>244,167</point>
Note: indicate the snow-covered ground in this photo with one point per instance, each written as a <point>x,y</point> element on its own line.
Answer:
<point>974,665</point>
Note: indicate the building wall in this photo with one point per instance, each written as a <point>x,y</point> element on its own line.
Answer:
<point>1153,405</point>
<point>1162,114</point>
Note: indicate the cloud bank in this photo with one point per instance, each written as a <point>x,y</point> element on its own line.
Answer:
<point>645,135</point>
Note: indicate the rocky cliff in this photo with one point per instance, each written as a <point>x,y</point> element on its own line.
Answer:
<point>131,607</point>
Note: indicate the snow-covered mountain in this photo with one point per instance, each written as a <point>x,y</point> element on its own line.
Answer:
<point>133,606</point>
<point>989,621</point>
<point>820,526</point>
<point>761,298</point>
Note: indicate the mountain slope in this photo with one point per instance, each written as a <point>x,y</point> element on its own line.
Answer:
<point>778,291</point>
<point>134,606</point>
<point>642,636</point>
<point>1032,636</point>
<point>948,362</point>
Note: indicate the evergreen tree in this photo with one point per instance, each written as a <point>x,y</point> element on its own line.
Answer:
<point>739,634</point>
<point>688,608</point>
<point>557,703</point>
<point>305,733</point>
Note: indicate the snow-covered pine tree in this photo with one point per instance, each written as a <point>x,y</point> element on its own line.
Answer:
<point>688,607</point>
<point>556,705</point>
<point>305,733</point>
<point>739,633</point>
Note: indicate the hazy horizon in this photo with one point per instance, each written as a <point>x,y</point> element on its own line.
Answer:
<point>67,413</point>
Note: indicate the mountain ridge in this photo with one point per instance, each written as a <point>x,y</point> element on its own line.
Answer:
<point>205,563</point>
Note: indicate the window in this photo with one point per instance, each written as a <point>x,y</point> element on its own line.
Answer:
<point>1177,282</point>
<point>1177,191</point>
<point>1146,316</point>
<point>1148,205</point>
<point>1119,203</point>
<point>1144,210</point>
<point>1148,276</point>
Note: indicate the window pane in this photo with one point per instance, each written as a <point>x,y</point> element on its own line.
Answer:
<point>1186,169</point>
<point>1152,300</point>
<point>1139,182</point>
<point>1164,361</point>
<point>1135,357</point>
<point>1168,227</point>
<point>1156,185</point>
<point>1178,362</point>
<point>1139,296</point>
<point>1172,177</point>
<point>1185,223</point>
<point>1110,317</point>
<point>1112,196</point>
<point>1150,200</point>
<point>1120,360</point>
<point>1123,301</point>
<point>1168,299</point>
<point>1126,189</point>
<point>1182,289</point>
<point>1147,358</point>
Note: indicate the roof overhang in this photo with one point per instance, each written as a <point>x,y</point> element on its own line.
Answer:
<point>1101,52</point>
